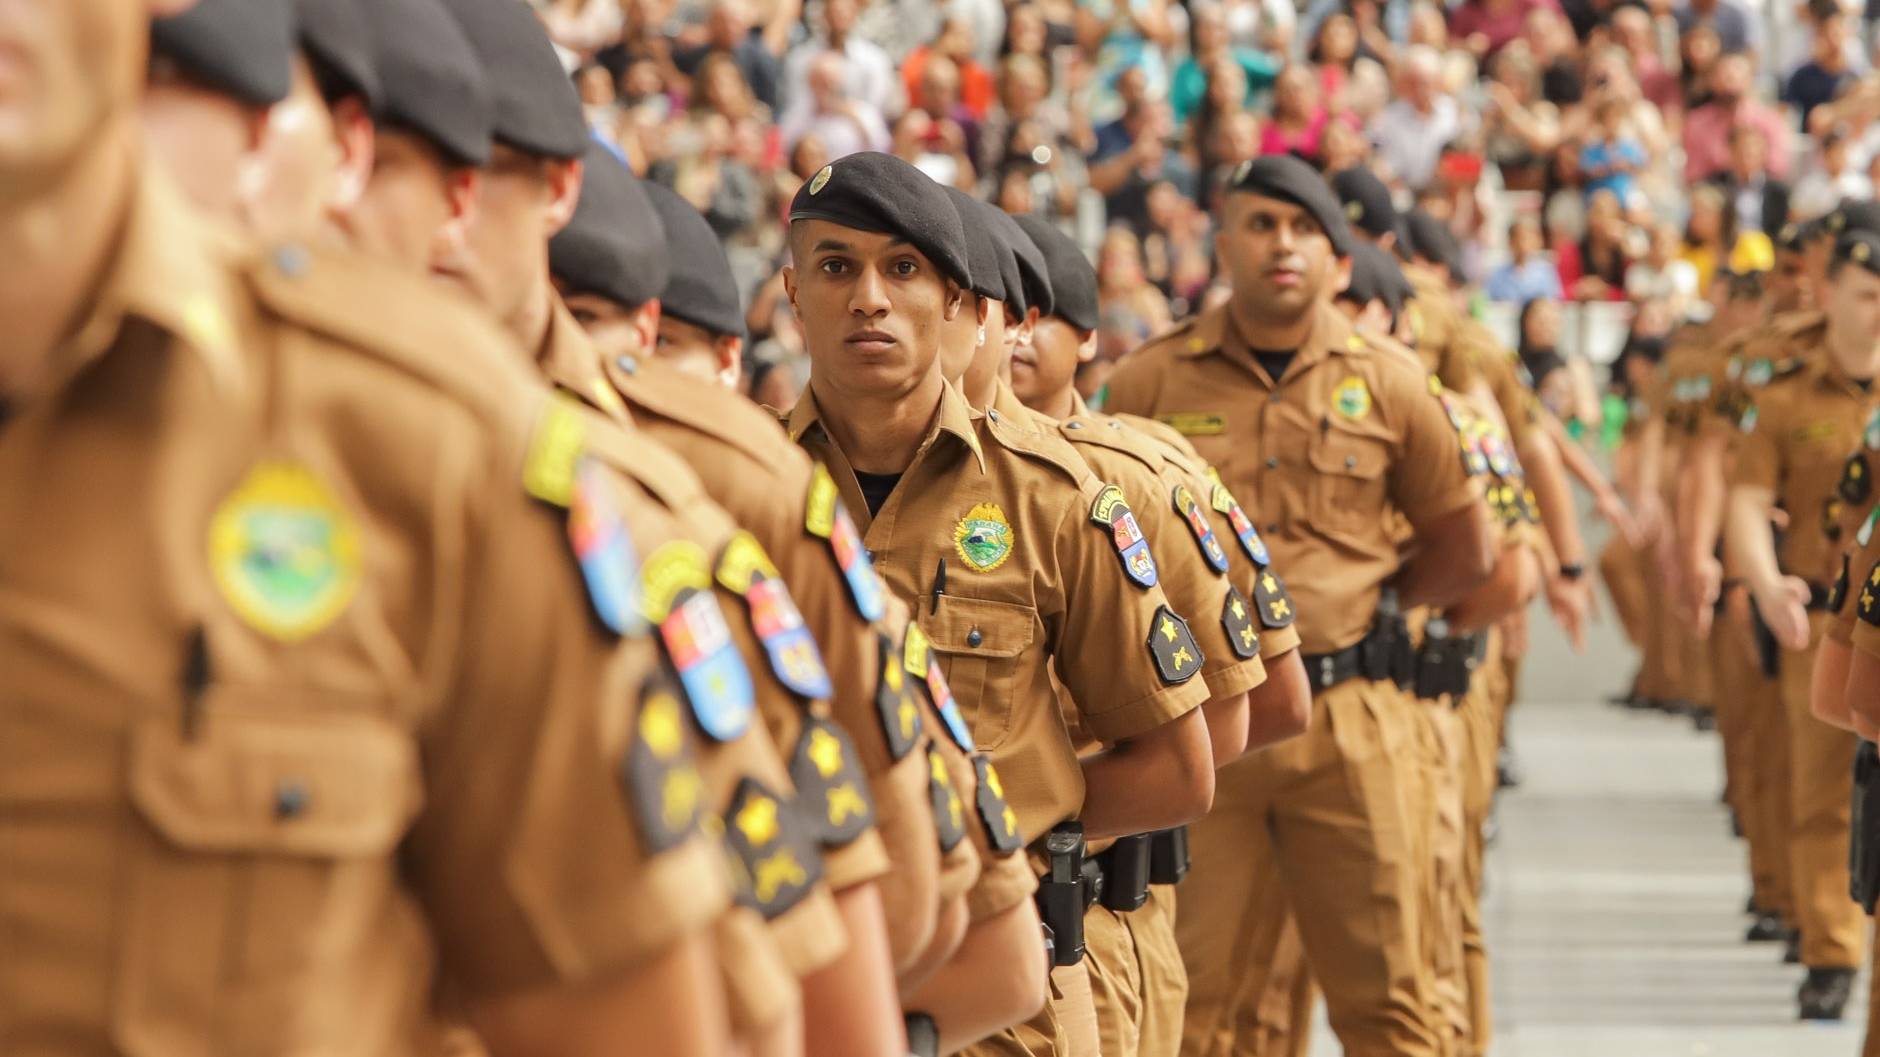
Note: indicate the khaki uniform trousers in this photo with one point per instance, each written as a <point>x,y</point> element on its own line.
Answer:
<point>1821,783</point>
<point>1137,984</point>
<point>1755,730</point>
<point>1622,572</point>
<point>1481,716</point>
<point>1066,1027</point>
<point>1318,824</point>
<point>1870,1046</point>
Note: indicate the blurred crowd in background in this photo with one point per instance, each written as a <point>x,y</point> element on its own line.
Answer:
<point>1597,161</point>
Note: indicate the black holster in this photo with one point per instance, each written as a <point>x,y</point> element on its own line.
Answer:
<point>1386,651</point>
<point>1768,650</point>
<point>1125,869</point>
<point>1062,892</point>
<point>1863,849</point>
<point>923,1035</point>
<point>1168,856</point>
<point>1446,664</point>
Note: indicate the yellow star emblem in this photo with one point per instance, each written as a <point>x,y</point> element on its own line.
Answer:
<point>1240,611</point>
<point>757,820</point>
<point>679,796</point>
<point>660,728</point>
<point>993,783</point>
<point>1169,631</point>
<point>1267,582</point>
<point>825,752</point>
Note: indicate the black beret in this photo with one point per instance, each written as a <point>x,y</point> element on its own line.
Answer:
<point>335,33</point>
<point>1431,240</point>
<point>615,244</point>
<point>1375,276</point>
<point>1366,200</point>
<point>1290,179</point>
<point>1859,246</point>
<point>878,192</point>
<point>1792,236</point>
<point>700,288</point>
<point>1034,274</point>
<point>431,79</point>
<point>1860,213</point>
<point>537,110</point>
<point>983,255</point>
<point>1073,280</point>
<point>241,48</point>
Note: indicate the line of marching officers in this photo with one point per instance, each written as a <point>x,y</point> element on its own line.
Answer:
<point>413,644</point>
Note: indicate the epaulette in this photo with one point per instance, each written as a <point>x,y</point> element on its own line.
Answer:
<point>1109,433</point>
<point>1046,447</point>
<point>703,407</point>
<point>410,325</point>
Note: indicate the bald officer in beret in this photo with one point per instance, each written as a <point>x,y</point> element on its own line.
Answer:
<point>306,690</point>
<point>1796,436</point>
<point>1344,431</point>
<point>987,529</point>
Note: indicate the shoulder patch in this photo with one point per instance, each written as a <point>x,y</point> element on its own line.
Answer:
<point>829,784</point>
<point>1198,524</point>
<point>1275,605</point>
<point>609,565</point>
<point>1223,500</point>
<point>555,447</point>
<point>1177,655</point>
<point>1000,820</point>
<point>284,551</point>
<point>771,847</point>
<point>1237,621</point>
<point>944,703</point>
<point>676,596</point>
<point>949,815</point>
<point>894,700</point>
<point>1112,512</point>
<point>1195,423</point>
<point>660,772</point>
<point>1837,591</point>
<point>1856,485</point>
<point>746,571</point>
<point>825,518</point>
<point>1869,609</point>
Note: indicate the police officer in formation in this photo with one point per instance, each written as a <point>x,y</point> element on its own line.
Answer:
<point>416,645</point>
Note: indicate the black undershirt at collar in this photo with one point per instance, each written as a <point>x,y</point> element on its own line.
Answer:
<point>876,487</point>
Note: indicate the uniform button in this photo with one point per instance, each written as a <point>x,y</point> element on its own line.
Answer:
<point>1073,425</point>
<point>1116,425</point>
<point>974,638</point>
<point>1272,529</point>
<point>628,364</point>
<point>993,415</point>
<point>291,799</point>
<point>1272,462</point>
<point>1351,462</point>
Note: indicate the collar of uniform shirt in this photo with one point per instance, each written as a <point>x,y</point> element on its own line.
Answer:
<point>1330,330</point>
<point>955,416</point>
<point>569,360</point>
<point>169,270</point>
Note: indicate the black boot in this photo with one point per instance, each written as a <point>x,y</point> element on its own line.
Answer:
<point>1767,928</point>
<point>1507,769</point>
<point>1792,948</point>
<point>1704,720</point>
<point>1824,994</point>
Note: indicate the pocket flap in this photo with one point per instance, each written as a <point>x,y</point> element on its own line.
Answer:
<point>269,779</point>
<point>1350,455</point>
<point>979,627</point>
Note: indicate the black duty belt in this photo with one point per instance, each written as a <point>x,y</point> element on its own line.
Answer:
<point>1385,653</point>
<point>1818,595</point>
<point>1446,664</point>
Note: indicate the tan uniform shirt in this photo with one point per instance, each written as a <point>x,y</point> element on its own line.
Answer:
<point>1030,584</point>
<point>1796,438</point>
<point>305,702</point>
<point>1351,433</point>
<point>748,465</point>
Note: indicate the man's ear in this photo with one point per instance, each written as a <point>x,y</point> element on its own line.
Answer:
<point>358,147</point>
<point>956,299</point>
<point>1087,348</point>
<point>983,308</point>
<point>789,290</point>
<point>450,244</point>
<point>1341,277</point>
<point>730,349</point>
<point>564,193</point>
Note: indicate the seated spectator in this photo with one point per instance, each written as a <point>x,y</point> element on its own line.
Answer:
<point>1612,159</point>
<point>938,93</point>
<point>1698,54</point>
<point>1333,53</point>
<point>1738,28</point>
<point>1226,98</point>
<point>1712,242</point>
<point>1520,128</point>
<point>1663,274</point>
<point>843,125</point>
<point>1655,70</point>
<point>1342,146</point>
<point>1413,130</point>
<point>1528,273</point>
<point>1550,41</point>
<point>1028,31</point>
<point>1208,44</point>
<point>1707,128</point>
<point>1538,347</point>
<point>1124,175</point>
<point>1133,309</point>
<point>1126,35</point>
<point>728,32</point>
<point>968,84</point>
<point>1759,202</point>
<point>1485,27</point>
<point>1299,115</point>
<point>935,148</point>
<point>1594,268</point>
<point>1828,69</point>
<point>868,71</point>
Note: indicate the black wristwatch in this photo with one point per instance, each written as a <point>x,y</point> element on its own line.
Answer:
<point>1572,571</point>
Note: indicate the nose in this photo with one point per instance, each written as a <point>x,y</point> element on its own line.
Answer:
<point>869,295</point>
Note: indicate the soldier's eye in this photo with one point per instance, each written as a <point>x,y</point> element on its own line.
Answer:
<point>833,267</point>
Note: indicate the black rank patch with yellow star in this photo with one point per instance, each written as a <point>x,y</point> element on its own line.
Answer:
<point>1856,479</point>
<point>1237,620</point>
<point>1271,599</point>
<point>660,774</point>
<point>830,788</point>
<point>1831,509</point>
<point>949,815</point>
<point>1837,591</point>
<point>772,850</point>
<point>1869,607</point>
<point>896,701</point>
<point>1000,820</point>
<point>1177,655</point>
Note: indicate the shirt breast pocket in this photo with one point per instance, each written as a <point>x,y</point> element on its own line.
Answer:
<point>1348,485</point>
<point>979,642</point>
<point>261,911</point>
